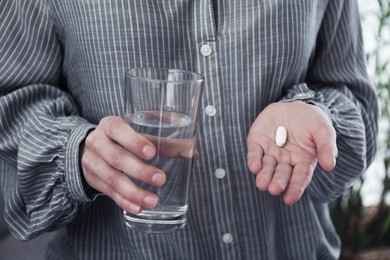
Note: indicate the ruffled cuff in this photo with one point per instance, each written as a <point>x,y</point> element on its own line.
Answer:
<point>73,174</point>
<point>303,93</point>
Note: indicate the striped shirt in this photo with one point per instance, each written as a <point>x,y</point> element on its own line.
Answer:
<point>62,67</point>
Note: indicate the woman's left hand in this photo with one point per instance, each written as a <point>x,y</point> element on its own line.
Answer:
<point>311,139</point>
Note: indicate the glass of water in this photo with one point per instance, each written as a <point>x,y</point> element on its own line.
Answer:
<point>162,104</point>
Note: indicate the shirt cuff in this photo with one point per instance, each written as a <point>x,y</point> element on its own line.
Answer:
<point>303,93</point>
<point>73,172</point>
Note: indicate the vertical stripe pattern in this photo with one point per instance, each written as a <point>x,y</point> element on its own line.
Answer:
<point>62,67</point>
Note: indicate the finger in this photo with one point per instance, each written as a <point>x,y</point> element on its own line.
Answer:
<point>117,130</point>
<point>174,147</point>
<point>325,139</point>
<point>123,203</point>
<point>254,157</point>
<point>327,155</point>
<point>300,179</point>
<point>101,176</point>
<point>123,161</point>
<point>280,179</point>
<point>196,155</point>
<point>264,177</point>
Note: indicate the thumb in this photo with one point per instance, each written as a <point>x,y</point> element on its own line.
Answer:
<point>327,157</point>
<point>325,140</point>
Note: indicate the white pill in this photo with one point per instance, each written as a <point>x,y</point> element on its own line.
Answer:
<point>281,136</point>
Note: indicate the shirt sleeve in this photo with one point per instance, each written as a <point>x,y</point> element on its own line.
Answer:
<point>40,128</point>
<point>338,83</point>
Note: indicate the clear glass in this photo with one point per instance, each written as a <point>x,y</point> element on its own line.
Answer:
<point>162,104</point>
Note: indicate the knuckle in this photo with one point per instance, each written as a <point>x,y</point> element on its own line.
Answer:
<point>108,124</point>
<point>91,140</point>
<point>306,181</point>
<point>302,182</point>
<point>112,181</point>
<point>86,161</point>
<point>142,173</point>
<point>137,195</point>
<point>104,122</point>
<point>112,194</point>
<point>117,158</point>
<point>284,168</point>
<point>138,172</point>
<point>299,190</point>
<point>122,203</point>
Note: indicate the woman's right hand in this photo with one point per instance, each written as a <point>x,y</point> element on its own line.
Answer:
<point>111,150</point>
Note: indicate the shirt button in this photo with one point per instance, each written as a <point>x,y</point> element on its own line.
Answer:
<point>206,50</point>
<point>211,111</point>
<point>220,173</point>
<point>227,238</point>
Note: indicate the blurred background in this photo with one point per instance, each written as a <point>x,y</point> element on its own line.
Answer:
<point>362,215</point>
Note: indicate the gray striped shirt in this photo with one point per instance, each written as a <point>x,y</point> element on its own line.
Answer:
<point>62,69</point>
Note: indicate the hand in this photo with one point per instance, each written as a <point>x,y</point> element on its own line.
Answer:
<point>113,149</point>
<point>311,139</point>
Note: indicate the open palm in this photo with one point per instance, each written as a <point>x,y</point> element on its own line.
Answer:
<point>289,169</point>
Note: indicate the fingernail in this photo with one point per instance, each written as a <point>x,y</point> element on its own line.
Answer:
<point>150,201</point>
<point>135,209</point>
<point>158,178</point>
<point>148,151</point>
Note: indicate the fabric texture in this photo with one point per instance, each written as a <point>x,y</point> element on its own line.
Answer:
<point>12,249</point>
<point>62,66</point>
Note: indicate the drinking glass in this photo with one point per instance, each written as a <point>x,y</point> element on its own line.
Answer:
<point>162,104</point>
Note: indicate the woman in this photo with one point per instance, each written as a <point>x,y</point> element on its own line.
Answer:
<point>297,64</point>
